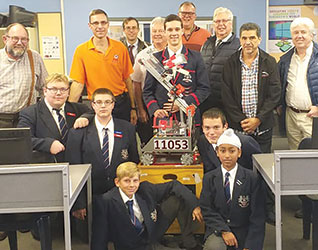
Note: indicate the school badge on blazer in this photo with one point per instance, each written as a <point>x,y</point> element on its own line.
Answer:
<point>153,215</point>
<point>244,201</point>
<point>124,154</point>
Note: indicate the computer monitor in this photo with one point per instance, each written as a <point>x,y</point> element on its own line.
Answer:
<point>3,20</point>
<point>314,135</point>
<point>21,15</point>
<point>15,145</point>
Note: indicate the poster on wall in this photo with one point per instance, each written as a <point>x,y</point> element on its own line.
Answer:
<point>51,47</point>
<point>279,37</point>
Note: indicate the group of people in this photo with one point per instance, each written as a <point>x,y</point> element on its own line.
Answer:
<point>235,87</point>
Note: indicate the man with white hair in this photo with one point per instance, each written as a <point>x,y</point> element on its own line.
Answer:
<point>215,51</point>
<point>298,74</point>
<point>159,42</point>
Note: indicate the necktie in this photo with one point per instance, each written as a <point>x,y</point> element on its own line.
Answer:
<point>131,55</point>
<point>105,148</point>
<point>227,190</point>
<point>138,225</point>
<point>218,42</point>
<point>62,125</point>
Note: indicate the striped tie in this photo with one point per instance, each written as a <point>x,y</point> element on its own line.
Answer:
<point>134,220</point>
<point>62,125</point>
<point>105,148</point>
<point>227,188</point>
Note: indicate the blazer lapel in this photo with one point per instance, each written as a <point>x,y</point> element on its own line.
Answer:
<point>238,184</point>
<point>145,211</point>
<point>70,115</point>
<point>48,120</point>
<point>93,141</point>
<point>220,191</point>
<point>117,142</point>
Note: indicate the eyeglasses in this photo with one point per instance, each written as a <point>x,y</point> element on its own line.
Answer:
<point>131,28</point>
<point>157,31</point>
<point>96,24</point>
<point>55,90</point>
<point>16,39</point>
<point>100,102</point>
<point>221,21</point>
<point>185,13</point>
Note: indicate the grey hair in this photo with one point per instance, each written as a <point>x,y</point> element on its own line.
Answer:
<point>303,21</point>
<point>158,19</point>
<point>220,10</point>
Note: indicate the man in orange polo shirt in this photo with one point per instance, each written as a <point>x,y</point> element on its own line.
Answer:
<point>102,62</point>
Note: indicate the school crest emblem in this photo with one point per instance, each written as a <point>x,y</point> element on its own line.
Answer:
<point>187,78</point>
<point>153,215</point>
<point>244,201</point>
<point>124,154</point>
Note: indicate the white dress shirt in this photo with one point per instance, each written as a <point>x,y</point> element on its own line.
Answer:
<point>110,131</point>
<point>54,113</point>
<point>231,177</point>
<point>136,207</point>
<point>297,92</point>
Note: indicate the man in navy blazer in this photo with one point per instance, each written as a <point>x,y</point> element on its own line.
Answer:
<point>196,84</point>
<point>232,202</point>
<point>85,145</point>
<point>140,225</point>
<point>213,125</point>
<point>43,119</point>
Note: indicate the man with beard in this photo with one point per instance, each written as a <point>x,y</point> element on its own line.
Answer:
<point>22,71</point>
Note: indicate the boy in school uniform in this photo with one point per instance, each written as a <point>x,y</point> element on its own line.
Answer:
<point>232,202</point>
<point>129,215</point>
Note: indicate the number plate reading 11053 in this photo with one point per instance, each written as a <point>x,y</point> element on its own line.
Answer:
<point>172,144</point>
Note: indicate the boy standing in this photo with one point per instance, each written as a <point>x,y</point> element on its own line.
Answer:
<point>232,202</point>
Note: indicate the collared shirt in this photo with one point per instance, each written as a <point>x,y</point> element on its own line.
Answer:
<point>225,39</point>
<point>249,87</point>
<point>54,113</point>
<point>135,48</point>
<point>140,71</point>
<point>171,53</point>
<point>16,79</point>
<point>110,132</point>
<point>297,92</point>
<point>231,177</point>
<point>136,207</point>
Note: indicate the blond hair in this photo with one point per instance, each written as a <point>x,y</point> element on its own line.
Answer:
<point>127,169</point>
<point>57,77</point>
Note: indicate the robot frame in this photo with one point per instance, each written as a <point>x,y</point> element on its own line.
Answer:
<point>173,141</point>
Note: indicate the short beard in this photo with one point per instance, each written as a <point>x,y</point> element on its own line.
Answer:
<point>15,53</point>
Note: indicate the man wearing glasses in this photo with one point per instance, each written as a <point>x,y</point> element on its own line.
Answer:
<point>103,62</point>
<point>131,40</point>
<point>193,36</point>
<point>22,72</point>
<point>51,118</point>
<point>105,143</point>
<point>215,51</point>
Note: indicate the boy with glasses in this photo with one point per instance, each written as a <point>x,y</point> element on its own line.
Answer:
<point>51,118</point>
<point>105,143</point>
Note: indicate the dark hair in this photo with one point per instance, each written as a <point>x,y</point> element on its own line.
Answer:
<point>15,24</point>
<point>251,26</point>
<point>97,12</point>
<point>214,113</point>
<point>186,3</point>
<point>102,91</point>
<point>172,17</point>
<point>128,19</point>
